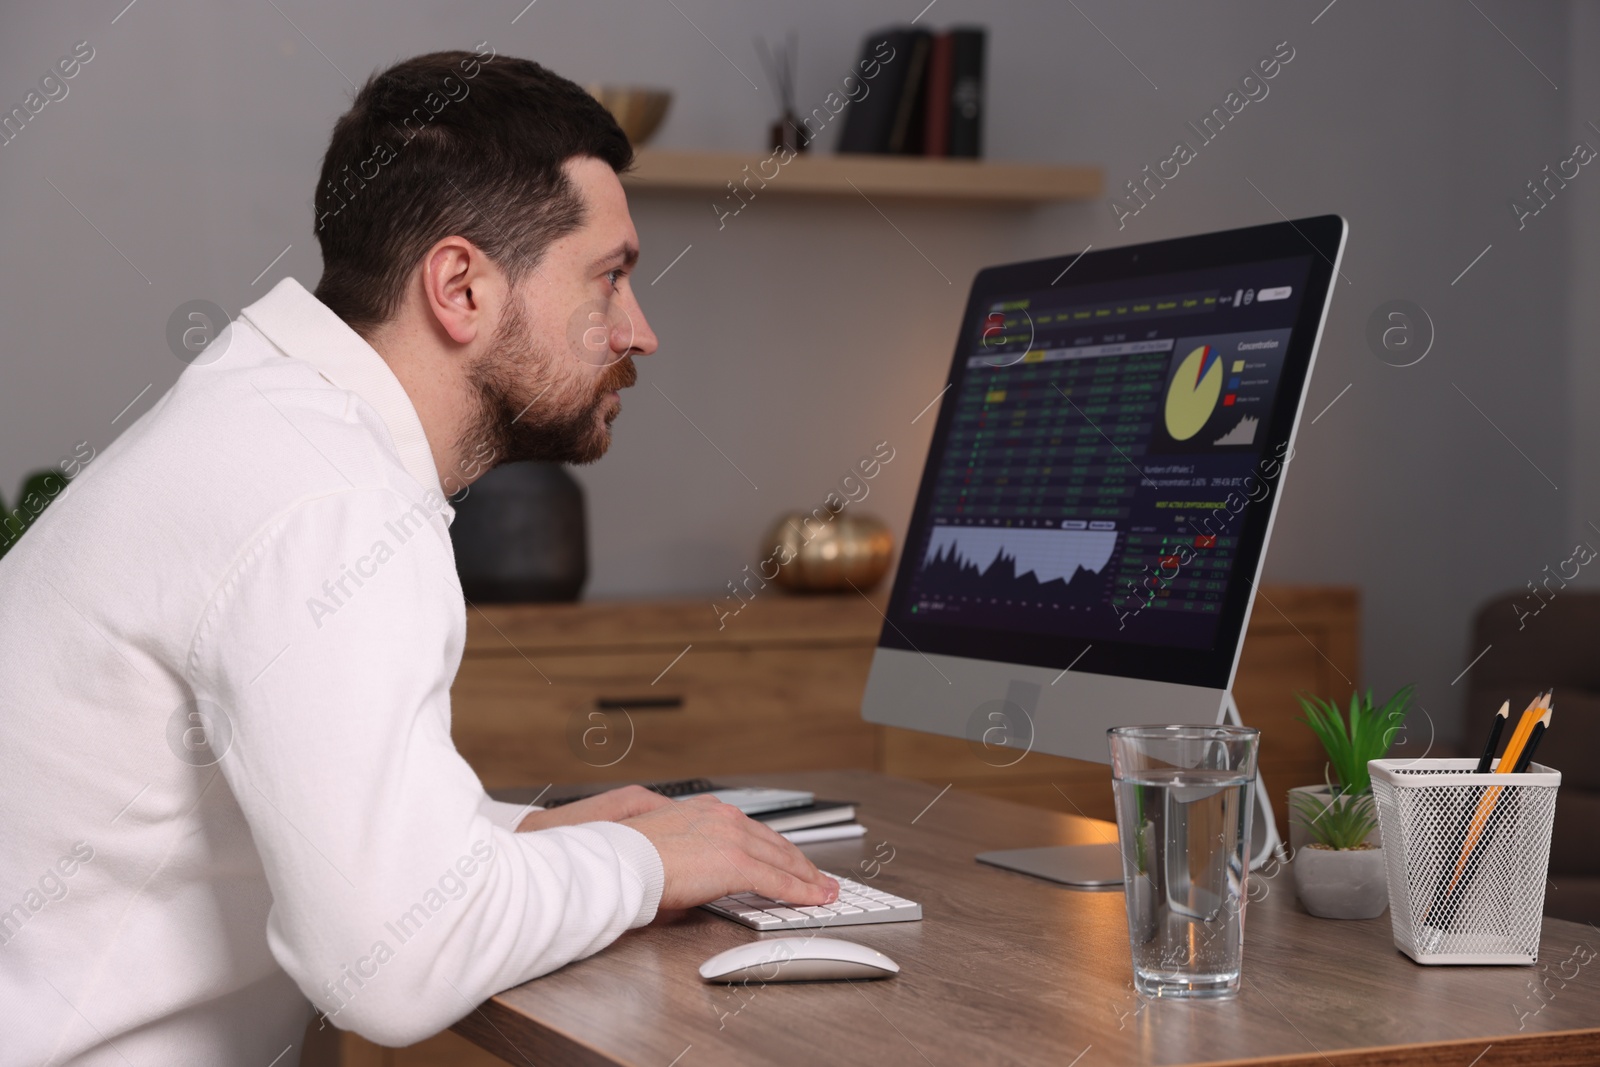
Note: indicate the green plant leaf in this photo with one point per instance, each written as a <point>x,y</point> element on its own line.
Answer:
<point>1353,739</point>
<point>40,488</point>
<point>1344,822</point>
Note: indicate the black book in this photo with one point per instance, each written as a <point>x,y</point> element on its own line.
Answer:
<point>821,813</point>
<point>906,136</point>
<point>869,122</point>
<point>966,91</point>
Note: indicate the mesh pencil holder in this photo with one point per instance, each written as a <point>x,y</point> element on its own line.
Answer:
<point>1467,857</point>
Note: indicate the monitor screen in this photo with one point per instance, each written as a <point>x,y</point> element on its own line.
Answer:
<point>1106,459</point>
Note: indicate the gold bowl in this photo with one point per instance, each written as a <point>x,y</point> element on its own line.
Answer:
<point>637,110</point>
<point>849,550</point>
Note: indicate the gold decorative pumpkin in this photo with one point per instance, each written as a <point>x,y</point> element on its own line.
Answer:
<point>832,555</point>
<point>638,111</point>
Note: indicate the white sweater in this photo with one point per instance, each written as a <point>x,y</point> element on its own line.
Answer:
<point>259,570</point>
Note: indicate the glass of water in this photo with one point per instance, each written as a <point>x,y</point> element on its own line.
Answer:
<point>1183,821</point>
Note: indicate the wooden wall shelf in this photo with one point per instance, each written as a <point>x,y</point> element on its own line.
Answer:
<point>966,180</point>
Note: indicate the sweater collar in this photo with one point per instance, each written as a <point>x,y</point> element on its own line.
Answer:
<point>305,328</point>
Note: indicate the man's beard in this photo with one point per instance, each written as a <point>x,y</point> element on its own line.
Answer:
<point>511,421</point>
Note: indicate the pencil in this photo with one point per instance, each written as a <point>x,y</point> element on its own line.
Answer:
<point>1526,759</point>
<point>1503,811</point>
<point>1519,736</point>
<point>1504,814</point>
<point>1500,717</point>
<point>1447,895</point>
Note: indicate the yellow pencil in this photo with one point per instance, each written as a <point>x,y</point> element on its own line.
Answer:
<point>1446,898</point>
<point>1508,762</point>
<point>1519,736</point>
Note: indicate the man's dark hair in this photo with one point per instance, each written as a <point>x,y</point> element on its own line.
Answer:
<point>467,143</point>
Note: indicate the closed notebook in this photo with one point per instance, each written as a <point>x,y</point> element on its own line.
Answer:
<point>821,813</point>
<point>836,832</point>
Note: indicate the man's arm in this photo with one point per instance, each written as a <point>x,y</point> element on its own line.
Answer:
<point>399,902</point>
<point>708,849</point>
<point>398,906</point>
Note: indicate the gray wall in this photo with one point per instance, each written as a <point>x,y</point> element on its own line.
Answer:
<point>1579,215</point>
<point>807,330</point>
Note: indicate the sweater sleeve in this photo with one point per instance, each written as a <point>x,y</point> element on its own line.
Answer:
<point>502,814</point>
<point>399,902</point>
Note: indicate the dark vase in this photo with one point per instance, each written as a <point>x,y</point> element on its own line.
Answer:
<point>520,535</point>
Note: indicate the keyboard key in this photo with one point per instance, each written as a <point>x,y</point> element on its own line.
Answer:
<point>857,903</point>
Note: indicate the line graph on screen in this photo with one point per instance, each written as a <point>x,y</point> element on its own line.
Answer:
<point>1008,563</point>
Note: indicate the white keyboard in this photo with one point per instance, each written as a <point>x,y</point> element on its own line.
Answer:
<point>857,904</point>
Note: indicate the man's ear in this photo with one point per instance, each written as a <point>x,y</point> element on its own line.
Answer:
<point>461,288</point>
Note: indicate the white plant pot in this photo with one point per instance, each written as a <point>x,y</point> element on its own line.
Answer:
<point>1335,884</point>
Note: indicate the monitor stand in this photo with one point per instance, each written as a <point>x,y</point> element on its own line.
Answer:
<point>1100,866</point>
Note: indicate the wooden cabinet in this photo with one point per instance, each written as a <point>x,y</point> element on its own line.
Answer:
<point>646,691</point>
<point>1300,639</point>
<point>608,691</point>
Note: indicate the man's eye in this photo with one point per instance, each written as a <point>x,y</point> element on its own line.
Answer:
<point>615,276</point>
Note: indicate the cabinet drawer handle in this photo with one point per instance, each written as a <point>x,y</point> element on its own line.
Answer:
<point>638,703</point>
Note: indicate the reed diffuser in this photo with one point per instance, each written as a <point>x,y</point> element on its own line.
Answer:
<point>787,131</point>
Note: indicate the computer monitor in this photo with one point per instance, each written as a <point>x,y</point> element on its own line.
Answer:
<point>1095,508</point>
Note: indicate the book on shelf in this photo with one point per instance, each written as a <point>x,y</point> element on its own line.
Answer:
<point>936,116</point>
<point>923,94</point>
<point>966,99</point>
<point>869,120</point>
<point>905,135</point>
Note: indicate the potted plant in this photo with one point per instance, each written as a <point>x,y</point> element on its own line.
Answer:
<point>38,490</point>
<point>1338,856</point>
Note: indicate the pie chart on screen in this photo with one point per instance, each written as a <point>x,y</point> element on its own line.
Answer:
<point>1193,392</point>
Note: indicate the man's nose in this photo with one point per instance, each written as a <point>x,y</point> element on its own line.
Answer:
<point>633,335</point>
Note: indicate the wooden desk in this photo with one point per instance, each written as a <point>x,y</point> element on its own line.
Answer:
<point>1005,969</point>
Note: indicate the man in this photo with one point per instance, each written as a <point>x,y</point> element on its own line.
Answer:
<point>226,776</point>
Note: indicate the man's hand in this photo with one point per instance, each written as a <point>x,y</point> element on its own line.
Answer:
<point>710,849</point>
<point>616,805</point>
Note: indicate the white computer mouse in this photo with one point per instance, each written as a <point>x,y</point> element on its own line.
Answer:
<point>798,959</point>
